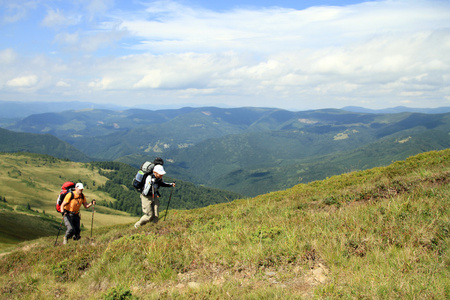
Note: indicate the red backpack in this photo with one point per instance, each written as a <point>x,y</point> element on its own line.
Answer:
<point>67,187</point>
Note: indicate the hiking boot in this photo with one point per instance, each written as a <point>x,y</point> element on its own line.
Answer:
<point>65,241</point>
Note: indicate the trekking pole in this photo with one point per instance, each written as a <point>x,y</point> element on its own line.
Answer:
<point>92,222</point>
<point>170,197</point>
<point>59,229</point>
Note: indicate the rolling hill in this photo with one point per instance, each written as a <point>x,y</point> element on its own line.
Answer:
<point>382,233</point>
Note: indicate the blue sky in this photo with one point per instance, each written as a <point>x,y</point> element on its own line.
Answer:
<point>295,55</point>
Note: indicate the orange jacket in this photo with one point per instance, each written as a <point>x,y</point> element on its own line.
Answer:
<point>74,204</point>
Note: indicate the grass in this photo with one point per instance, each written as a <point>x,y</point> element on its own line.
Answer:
<point>377,234</point>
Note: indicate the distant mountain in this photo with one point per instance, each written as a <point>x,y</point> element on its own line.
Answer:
<point>247,150</point>
<point>18,109</point>
<point>398,109</point>
<point>108,135</point>
<point>11,141</point>
<point>255,163</point>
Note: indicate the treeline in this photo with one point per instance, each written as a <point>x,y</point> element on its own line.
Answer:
<point>184,196</point>
<point>11,141</point>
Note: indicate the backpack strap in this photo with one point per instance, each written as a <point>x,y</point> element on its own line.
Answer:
<point>72,196</point>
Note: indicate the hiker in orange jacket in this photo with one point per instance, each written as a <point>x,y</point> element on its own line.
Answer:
<point>70,207</point>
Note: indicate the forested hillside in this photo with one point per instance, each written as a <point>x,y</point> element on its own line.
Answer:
<point>39,143</point>
<point>249,150</point>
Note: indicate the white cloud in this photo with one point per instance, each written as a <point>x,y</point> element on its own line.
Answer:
<point>90,42</point>
<point>173,28</point>
<point>67,38</point>
<point>369,53</point>
<point>23,81</point>
<point>55,18</point>
<point>100,40</point>
<point>101,84</point>
<point>17,10</point>
<point>151,80</point>
<point>95,7</point>
<point>62,83</point>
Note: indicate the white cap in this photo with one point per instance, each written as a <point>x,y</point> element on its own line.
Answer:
<point>79,185</point>
<point>159,169</point>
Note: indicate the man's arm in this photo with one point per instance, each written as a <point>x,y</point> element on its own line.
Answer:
<point>165,184</point>
<point>88,205</point>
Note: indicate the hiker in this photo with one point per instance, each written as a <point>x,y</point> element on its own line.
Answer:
<point>70,208</point>
<point>150,196</point>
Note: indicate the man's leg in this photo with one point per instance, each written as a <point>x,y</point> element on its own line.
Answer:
<point>155,206</point>
<point>146,209</point>
<point>69,226</point>
<point>76,227</point>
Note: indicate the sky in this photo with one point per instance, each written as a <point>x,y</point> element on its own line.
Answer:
<point>294,55</point>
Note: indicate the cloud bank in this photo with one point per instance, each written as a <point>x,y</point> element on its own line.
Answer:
<point>373,54</point>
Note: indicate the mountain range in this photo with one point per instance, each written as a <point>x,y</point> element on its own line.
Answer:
<point>247,150</point>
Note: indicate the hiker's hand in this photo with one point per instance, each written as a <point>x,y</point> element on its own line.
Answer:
<point>93,202</point>
<point>173,184</point>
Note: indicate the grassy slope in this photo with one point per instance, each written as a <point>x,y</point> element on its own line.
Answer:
<point>19,226</point>
<point>36,180</point>
<point>383,233</point>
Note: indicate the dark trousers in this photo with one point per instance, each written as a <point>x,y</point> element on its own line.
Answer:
<point>72,222</point>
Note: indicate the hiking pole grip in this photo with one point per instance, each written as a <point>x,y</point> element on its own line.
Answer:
<point>168,203</point>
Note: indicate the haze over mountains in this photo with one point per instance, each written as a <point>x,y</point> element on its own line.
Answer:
<point>247,150</point>
<point>15,109</point>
